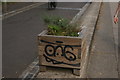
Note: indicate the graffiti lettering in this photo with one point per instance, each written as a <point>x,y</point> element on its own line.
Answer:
<point>51,50</point>
<point>58,62</point>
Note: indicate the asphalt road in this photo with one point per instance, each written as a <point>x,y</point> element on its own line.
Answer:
<point>19,36</point>
<point>18,5</point>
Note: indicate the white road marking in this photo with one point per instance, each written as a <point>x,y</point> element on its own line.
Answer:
<point>12,13</point>
<point>69,8</point>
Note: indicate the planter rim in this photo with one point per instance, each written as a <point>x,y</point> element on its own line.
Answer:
<point>44,33</point>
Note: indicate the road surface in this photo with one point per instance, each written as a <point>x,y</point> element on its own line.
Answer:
<point>19,36</point>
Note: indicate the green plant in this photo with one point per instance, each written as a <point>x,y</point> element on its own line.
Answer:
<point>60,26</point>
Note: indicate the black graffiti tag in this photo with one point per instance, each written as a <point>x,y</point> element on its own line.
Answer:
<point>51,50</point>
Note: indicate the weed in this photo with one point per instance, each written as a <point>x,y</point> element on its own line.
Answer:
<point>60,26</point>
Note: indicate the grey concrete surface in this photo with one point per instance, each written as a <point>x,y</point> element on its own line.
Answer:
<point>88,23</point>
<point>119,46</point>
<point>116,30</point>
<point>53,72</point>
<point>103,60</point>
<point>19,35</point>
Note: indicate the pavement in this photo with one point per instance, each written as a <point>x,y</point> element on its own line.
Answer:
<point>88,23</point>
<point>103,57</point>
<point>116,32</point>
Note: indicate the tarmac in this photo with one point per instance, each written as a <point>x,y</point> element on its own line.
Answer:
<point>33,68</point>
<point>19,8</point>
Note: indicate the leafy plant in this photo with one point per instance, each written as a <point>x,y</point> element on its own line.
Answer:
<point>60,26</point>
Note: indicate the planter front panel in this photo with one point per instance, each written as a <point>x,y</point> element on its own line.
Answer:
<point>59,51</point>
